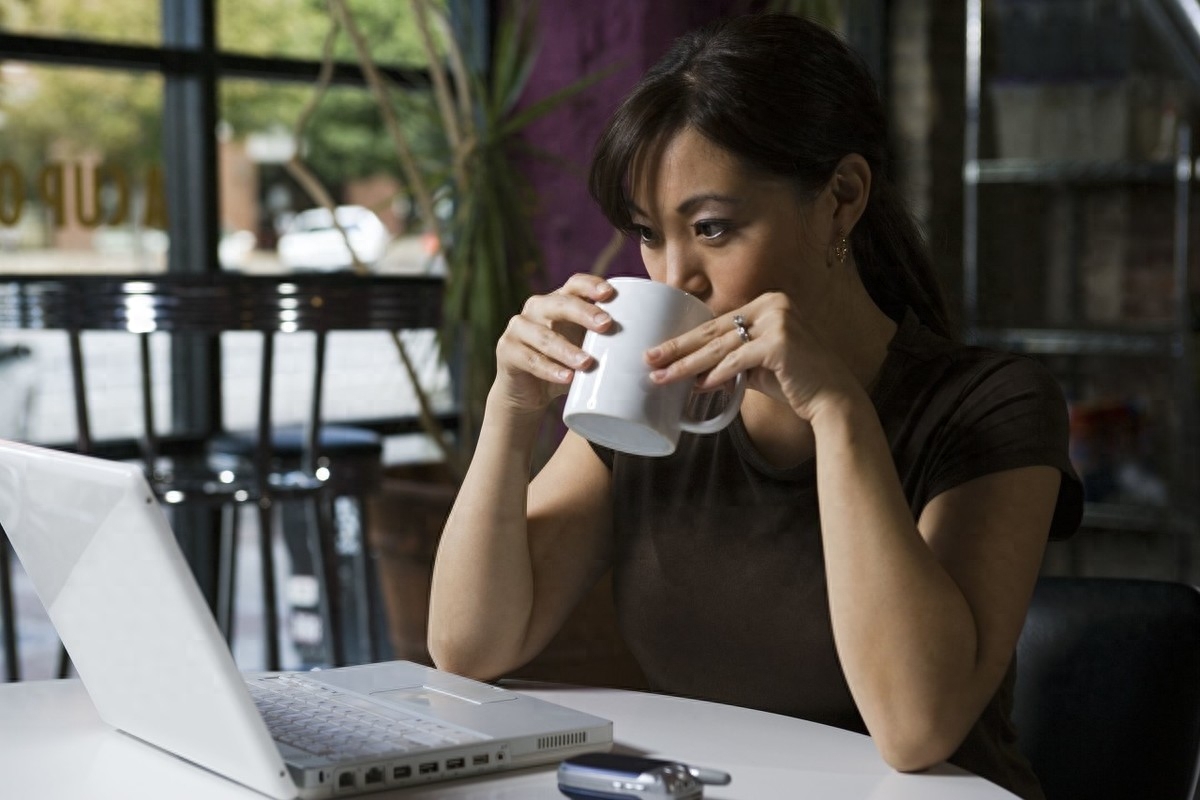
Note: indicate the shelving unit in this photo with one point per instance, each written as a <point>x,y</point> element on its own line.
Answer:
<point>1098,246</point>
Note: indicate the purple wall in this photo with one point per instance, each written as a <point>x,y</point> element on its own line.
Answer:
<point>579,37</point>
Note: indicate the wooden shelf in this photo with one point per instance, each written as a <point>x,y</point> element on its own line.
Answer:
<point>1036,171</point>
<point>1054,341</point>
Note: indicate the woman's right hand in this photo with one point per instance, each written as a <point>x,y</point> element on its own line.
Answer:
<point>539,351</point>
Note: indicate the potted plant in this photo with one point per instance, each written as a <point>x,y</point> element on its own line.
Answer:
<point>472,166</point>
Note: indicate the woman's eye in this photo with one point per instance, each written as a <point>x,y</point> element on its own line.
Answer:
<point>711,229</point>
<point>644,234</point>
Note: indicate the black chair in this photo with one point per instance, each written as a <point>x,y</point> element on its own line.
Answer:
<point>1107,699</point>
<point>311,463</point>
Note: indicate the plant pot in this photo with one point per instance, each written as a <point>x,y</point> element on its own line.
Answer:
<point>406,521</point>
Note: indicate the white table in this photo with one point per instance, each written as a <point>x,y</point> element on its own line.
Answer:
<point>54,747</point>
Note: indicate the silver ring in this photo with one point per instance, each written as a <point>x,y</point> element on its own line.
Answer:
<point>739,323</point>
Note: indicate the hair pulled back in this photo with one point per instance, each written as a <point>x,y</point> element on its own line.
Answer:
<point>789,99</point>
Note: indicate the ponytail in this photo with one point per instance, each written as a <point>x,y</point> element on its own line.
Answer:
<point>893,260</point>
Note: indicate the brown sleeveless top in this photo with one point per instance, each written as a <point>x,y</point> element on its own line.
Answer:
<point>719,577</point>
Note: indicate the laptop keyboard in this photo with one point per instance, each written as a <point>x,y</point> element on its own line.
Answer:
<point>321,720</point>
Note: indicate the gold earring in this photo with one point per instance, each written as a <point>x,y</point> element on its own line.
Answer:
<point>840,250</point>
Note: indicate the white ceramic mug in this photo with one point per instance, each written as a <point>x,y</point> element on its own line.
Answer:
<point>614,403</point>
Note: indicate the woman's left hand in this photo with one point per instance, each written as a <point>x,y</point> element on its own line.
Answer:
<point>784,357</point>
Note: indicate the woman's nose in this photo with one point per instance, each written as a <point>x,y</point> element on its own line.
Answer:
<point>686,271</point>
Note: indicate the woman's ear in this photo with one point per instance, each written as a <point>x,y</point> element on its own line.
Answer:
<point>850,187</point>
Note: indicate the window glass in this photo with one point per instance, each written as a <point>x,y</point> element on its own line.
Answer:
<point>271,223</point>
<point>364,377</point>
<point>297,29</point>
<point>127,21</point>
<point>82,190</point>
<point>81,183</point>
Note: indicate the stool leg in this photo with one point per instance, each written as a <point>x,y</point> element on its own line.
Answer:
<point>12,659</point>
<point>329,577</point>
<point>227,570</point>
<point>376,631</point>
<point>348,525</point>
<point>319,562</point>
<point>266,541</point>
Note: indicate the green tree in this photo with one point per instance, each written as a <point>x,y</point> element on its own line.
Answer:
<point>344,139</point>
<point>296,28</point>
<point>118,115</point>
<point>84,110</point>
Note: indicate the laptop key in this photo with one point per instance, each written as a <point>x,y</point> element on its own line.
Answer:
<point>419,737</point>
<point>337,725</point>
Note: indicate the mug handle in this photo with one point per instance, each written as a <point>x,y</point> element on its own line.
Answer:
<point>722,420</point>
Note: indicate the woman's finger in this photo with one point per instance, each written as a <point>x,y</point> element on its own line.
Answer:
<point>582,284</point>
<point>711,359</point>
<point>536,363</point>
<point>532,336</point>
<point>565,307</point>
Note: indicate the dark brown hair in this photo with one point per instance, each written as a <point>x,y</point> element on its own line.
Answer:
<point>790,99</point>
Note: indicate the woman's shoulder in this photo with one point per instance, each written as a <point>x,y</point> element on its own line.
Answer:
<point>958,411</point>
<point>925,361</point>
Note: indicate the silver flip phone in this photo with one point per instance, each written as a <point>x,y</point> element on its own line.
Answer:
<point>610,776</point>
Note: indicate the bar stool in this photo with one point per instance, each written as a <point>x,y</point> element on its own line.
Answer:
<point>348,460</point>
<point>310,463</point>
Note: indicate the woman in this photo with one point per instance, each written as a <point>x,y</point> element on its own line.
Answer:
<point>860,546</point>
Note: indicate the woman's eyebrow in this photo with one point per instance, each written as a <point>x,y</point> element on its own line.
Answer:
<point>690,204</point>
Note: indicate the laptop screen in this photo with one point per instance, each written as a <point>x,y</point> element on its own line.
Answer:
<point>105,564</point>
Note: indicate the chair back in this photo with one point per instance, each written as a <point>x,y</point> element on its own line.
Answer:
<point>1107,699</point>
<point>209,305</point>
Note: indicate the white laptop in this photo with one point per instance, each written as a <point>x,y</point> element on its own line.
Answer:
<point>106,565</point>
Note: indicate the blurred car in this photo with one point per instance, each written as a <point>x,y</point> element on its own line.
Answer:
<point>234,249</point>
<point>312,242</point>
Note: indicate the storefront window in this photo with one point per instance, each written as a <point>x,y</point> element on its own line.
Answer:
<point>270,220</point>
<point>124,21</point>
<point>297,29</point>
<point>83,113</point>
<point>81,175</point>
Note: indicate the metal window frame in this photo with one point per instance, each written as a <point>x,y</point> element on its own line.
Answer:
<point>193,67</point>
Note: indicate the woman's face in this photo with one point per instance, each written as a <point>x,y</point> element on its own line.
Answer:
<point>712,228</point>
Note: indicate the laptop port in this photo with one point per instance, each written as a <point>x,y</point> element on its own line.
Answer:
<point>480,760</point>
<point>374,775</point>
<point>428,768</point>
<point>346,780</point>
<point>455,763</point>
<point>400,773</point>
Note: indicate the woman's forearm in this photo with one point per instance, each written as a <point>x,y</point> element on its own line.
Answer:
<point>484,556</point>
<point>904,631</point>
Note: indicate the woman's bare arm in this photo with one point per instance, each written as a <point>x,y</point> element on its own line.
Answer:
<point>516,556</point>
<point>512,562</point>
<point>925,615</point>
